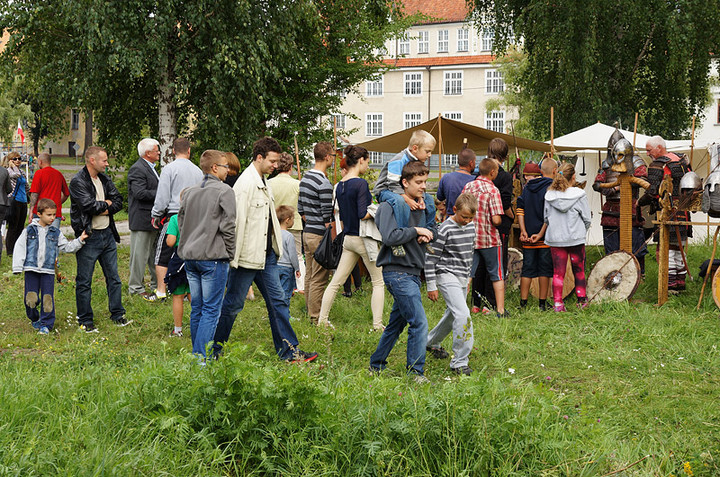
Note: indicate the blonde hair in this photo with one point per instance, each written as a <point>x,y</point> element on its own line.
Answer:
<point>564,178</point>
<point>466,201</point>
<point>421,138</point>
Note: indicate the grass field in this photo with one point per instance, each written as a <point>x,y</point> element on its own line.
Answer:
<point>622,386</point>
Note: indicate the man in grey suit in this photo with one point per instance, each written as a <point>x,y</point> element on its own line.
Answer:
<point>142,181</point>
<point>5,190</point>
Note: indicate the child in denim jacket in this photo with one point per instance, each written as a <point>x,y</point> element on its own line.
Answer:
<point>35,253</point>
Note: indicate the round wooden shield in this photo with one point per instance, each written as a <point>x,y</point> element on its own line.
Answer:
<point>568,284</point>
<point>615,277</point>
<point>716,287</point>
<point>514,268</point>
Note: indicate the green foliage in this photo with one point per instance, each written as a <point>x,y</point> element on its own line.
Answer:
<point>583,393</point>
<point>595,61</point>
<point>237,70</point>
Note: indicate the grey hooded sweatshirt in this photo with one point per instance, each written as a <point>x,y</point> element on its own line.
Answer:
<point>567,215</point>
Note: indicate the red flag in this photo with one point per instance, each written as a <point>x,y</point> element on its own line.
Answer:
<point>20,133</point>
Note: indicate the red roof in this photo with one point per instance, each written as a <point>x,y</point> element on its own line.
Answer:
<point>439,61</point>
<point>442,11</point>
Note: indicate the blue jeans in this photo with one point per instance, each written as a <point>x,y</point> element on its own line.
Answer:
<point>40,291</point>
<point>287,281</point>
<point>268,283</point>
<point>99,247</point>
<point>407,310</point>
<point>207,280</point>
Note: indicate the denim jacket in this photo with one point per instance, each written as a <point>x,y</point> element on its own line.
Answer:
<point>37,248</point>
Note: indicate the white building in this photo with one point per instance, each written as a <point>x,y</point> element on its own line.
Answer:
<point>439,67</point>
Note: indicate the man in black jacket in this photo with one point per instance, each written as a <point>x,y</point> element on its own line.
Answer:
<point>142,181</point>
<point>95,200</point>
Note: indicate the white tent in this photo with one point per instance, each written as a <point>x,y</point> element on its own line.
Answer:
<point>591,144</point>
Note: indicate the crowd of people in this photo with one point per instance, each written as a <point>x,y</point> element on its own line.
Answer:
<point>208,233</point>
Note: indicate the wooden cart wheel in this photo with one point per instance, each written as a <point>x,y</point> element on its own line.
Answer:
<point>716,287</point>
<point>514,268</point>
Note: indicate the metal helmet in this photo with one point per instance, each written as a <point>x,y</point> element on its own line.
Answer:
<point>622,154</point>
<point>712,181</point>
<point>690,181</point>
<point>615,137</point>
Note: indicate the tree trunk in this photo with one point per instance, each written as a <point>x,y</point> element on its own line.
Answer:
<point>88,129</point>
<point>167,115</point>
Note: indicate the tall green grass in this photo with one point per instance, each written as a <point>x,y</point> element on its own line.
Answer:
<point>583,393</point>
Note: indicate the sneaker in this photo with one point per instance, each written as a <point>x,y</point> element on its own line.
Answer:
<point>504,314</point>
<point>303,356</point>
<point>582,303</point>
<point>89,328</point>
<point>475,310</point>
<point>44,331</point>
<point>122,321</point>
<point>543,306</point>
<point>559,307</point>
<point>347,294</point>
<point>466,370</point>
<point>176,334</point>
<point>36,324</point>
<point>374,371</point>
<point>154,296</point>
<point>420,379</point>
<point>438,352</point>
<point>487,311</point>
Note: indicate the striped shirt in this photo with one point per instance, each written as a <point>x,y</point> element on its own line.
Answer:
<point>451,252</point>
<point>315,201</point>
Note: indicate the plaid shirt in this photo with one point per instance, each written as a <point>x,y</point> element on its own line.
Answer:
<point>489,204</point>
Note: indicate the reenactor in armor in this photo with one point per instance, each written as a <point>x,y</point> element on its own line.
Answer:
<point>610,220</point>
<point>666,163</point>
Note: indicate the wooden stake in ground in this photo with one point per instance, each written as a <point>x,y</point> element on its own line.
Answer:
<point>334,149</point>
<point>297,157</point>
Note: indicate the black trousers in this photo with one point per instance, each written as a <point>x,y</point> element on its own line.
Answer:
<point>16,224</point>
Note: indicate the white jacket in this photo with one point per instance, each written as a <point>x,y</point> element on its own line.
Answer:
<point>254,201</point>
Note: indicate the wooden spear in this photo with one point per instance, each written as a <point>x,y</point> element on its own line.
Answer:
<point>297,157</point>
<point>440,145</point>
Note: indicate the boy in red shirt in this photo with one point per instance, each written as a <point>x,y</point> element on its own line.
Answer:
<point>48,183</point>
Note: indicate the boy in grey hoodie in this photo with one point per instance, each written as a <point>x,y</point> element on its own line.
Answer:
<point>567,220</point>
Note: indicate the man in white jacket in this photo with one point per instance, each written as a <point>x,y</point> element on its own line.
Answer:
<point>259,244</point>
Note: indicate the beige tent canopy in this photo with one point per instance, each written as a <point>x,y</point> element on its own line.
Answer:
<point>450,135</point>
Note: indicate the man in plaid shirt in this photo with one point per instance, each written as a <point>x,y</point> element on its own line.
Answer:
<point>488,247</point>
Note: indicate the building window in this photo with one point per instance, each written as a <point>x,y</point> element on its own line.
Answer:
<point>376,157</point>
<point>340,120</point>
<point>423,42</point>
<point>453,83</point>
<point>463,36</point>
<point>413,84</point>
<point>74,120</point>
<point>487,40</point>
<point>404,45</point>
<point>494,82</point>
<point>450,159</point>
<point>495,121</point>
<point>410,120</point>
<point>443,36</point>
<point>456,115</point>
<point>374,87</point>
<point>374,124</point>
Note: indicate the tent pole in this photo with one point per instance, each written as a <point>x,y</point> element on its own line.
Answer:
<point>635,131</point>
<point>440,141</point>
<point>692,141</point>
<point>552,131</point>
<point>297,157</point>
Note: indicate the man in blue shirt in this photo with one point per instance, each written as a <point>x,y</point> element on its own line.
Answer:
<point>451,185</point>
